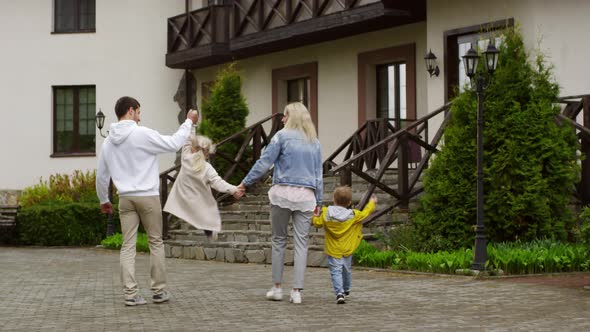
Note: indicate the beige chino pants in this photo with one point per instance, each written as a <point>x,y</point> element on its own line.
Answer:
<point>132,210</point>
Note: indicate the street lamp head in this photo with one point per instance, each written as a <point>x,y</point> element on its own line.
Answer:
<point>431,66</point>
<point>470,60</point>
<point>100,119</point>
<point>491,57</point>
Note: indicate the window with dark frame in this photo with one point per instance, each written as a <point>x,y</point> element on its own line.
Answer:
<point>298,91</point>
<point>74,130</point>
<point>74,16</point>
<point>391,91</point>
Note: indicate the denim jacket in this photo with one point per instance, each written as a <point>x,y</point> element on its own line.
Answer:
<point>296,162</point>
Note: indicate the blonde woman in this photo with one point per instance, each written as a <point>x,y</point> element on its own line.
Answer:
<point>190,198</point>
<point>295,194</point>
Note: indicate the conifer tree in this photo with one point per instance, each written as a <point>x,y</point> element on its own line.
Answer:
<point>224,114</point>
<point>530,164</point>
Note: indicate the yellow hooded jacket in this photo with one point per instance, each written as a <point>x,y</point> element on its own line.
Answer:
<point>342,237</point>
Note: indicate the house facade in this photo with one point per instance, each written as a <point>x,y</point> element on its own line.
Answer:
<point>351,61</point>
<point>348,60</point>
<point>64,60</point>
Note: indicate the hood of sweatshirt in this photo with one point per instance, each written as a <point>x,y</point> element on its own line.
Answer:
<point>339,213</point>
<point>119,131</point>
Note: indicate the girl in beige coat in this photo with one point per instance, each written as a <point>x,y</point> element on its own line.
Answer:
<point>190,198</point>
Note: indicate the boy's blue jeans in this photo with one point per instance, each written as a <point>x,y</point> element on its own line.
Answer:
<point>340,271</point>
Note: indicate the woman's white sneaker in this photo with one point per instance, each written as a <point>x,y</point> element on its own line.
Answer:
<point>274,294</point>
<point>295,297</point>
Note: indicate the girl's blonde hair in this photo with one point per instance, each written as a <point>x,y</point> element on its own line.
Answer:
<point>300,119</point>
<point>203,147</point>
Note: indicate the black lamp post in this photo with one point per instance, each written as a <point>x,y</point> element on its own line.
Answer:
<point>471,59</point>
<point>110,223</point>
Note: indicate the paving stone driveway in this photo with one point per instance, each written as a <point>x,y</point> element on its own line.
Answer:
<point>65,289</point>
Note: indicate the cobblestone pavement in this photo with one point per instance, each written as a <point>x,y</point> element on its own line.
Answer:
<point>65,289</point>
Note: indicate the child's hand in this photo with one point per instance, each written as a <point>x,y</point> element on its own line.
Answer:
<point>239,193</point>
<point>374,199</point>
<point>316,211</point>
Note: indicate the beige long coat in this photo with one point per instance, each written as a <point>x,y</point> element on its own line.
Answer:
<point>190,198</point>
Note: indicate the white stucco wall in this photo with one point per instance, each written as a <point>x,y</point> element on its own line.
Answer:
<point>558,27</point>
<point>337,78</point>
<point>126,56</point>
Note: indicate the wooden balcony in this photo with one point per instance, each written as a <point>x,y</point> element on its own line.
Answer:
<point>200,38</point>
<point>245,28</point>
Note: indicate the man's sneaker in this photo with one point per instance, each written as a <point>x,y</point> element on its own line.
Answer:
<point>295,297</point>
<point>161,298</point>
<point>346,293</point>
<point>136,300</point>
<point>340,299</point>
<point>274,294</point>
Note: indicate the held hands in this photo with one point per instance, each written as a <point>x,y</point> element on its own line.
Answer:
<point>106,208</point>
<point>240,192</point>
<point>193,116</point>
<point>316,211</point>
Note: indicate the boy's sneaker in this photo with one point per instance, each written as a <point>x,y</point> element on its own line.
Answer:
<point>136,300</point>
<point>346,293</point>
<point>340,299</point>
<point>295,297</point>
<point>274,294</point>
<point>161,298</point>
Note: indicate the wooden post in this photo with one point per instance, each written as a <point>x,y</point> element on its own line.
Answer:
<point>189,91</point>
<point>189,23</point>
<point>402,173</point>
<point>260,20</point>
<point>346,177</point>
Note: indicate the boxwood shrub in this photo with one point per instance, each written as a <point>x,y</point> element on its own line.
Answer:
<point>63,224</point>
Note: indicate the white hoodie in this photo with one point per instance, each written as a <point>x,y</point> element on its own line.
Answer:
<point>129,157</point>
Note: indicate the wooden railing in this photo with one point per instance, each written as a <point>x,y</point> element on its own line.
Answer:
<point>203,26</point>
<point>371,163</point>
<point>254,139</point>
<point>371,132</point>
<point>251,16</point>
<point>577,108</point>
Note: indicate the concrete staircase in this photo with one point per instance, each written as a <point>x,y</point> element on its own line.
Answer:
<point>246,229</point>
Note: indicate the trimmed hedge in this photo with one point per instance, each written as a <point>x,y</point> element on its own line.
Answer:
<point>63,224</point>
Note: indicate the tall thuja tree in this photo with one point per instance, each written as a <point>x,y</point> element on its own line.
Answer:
<point>224,114</point>
<point>530,164</point>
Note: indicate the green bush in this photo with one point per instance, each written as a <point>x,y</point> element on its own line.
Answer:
<point>542,256</point>
<point>78,187</point>
<point>63,224</point>
<point>582,229</point>
<point>115,241</point>
<point>539,256</point>
<point>224,114</point>
<point>530,163</point>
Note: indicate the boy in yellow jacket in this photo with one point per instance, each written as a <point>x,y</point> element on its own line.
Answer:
<point>343,234</point>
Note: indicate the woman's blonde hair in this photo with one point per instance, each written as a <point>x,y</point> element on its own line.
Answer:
<point>300,119</point>
<point>203,147</point>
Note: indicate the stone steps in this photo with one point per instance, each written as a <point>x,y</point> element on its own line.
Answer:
<point>239,252</point>
<point>246,229</point>
<point>250,236</point>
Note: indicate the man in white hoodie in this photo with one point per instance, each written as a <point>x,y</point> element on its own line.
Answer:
<point>129,157</point>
